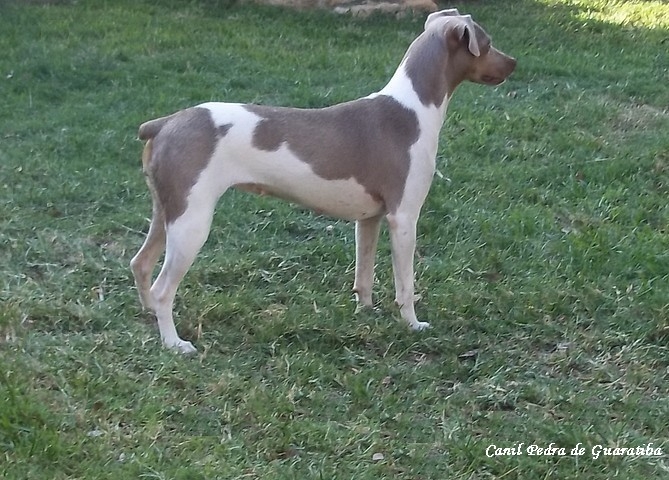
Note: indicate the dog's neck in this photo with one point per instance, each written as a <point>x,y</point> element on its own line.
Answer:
<point>421,85</point>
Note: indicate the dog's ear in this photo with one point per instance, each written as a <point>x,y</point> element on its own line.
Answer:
<point>451,12</point>
<point>467,32</point>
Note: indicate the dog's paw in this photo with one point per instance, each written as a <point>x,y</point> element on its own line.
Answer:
<point>419,326</point>
<point>360,308</point>
<point>183,347</point>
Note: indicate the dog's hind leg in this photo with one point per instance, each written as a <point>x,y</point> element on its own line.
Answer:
<point>185,237</point>
<point>143,263</point>
<point>366,239</point>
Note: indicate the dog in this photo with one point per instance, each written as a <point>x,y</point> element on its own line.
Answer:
<point>361,160</point>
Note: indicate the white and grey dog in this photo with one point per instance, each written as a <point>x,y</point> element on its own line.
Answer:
<point>361,160</point>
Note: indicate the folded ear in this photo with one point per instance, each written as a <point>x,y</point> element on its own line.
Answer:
<point>465,32</point>
<point>451,12</point>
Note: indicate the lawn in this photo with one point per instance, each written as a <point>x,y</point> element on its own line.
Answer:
<point>542,262</point>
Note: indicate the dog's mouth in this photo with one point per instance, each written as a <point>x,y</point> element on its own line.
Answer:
<point>490,80</point>
<point>497,74</point>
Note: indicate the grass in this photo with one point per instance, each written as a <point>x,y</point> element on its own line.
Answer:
<point>543,255</point>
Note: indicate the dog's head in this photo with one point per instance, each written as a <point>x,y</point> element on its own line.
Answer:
<point>470,48</point>
<point>453,49</point>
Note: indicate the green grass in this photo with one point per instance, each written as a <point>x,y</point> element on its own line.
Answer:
<point>543,255</point>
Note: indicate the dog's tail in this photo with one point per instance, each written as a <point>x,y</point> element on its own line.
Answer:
<point>147,156</point>
<point>147,153</point>
<point>150,129</point>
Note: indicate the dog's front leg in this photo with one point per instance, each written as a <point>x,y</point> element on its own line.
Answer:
<point>403,245</point>
<point>366,239</point>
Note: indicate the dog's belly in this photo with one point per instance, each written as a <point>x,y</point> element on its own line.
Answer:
<point>282,174</point>
<point>337,198</point>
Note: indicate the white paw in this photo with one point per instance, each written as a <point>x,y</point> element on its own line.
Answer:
<point>183,347</point>
<point>418,326</point>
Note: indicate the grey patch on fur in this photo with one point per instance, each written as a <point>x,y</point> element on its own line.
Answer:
<point>367,139</point>
<point>181,150</point>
